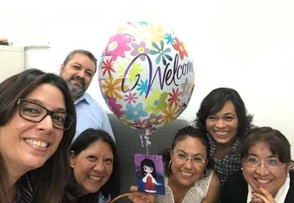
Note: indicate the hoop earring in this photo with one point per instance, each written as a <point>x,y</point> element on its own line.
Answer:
<point>205,174</point>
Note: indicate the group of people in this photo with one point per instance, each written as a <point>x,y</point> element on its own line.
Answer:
<point>57,145</point>
<point>224,158</point>
<point>42,114</point>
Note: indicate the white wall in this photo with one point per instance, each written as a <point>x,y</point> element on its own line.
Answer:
<point>247,45</point>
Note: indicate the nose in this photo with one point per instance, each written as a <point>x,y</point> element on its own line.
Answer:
<point>220,123</point>
<point>189,163</point>
<point>99,166</point>
<point>81,73</point>
<point>262,169</point>
<point>46,123</point>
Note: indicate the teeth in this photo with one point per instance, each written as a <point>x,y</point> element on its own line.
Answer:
<point>95,178</point>
<point>186,174</point>
<point>262,181</point>
<point>36,143</point>
<point>221,133</point>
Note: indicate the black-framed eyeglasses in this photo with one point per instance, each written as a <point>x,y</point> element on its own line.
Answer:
<point>35,112</point>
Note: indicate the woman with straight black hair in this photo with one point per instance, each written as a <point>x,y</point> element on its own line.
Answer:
<point>94,168</point>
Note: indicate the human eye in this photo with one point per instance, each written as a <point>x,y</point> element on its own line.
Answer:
<point>76,67</point>
<point>252,160</point>
<point>59,118</point>
<point>108,161</point>
<point>89,73</point>
<point>31,109</point>
<point>211,117</point>
<point>182,156</point>
<point>197,159</point>
<point>229,118</point>
<point>272,163</point>
<point>92,158</point>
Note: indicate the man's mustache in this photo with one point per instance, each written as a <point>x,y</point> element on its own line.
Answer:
<point>79,79</point>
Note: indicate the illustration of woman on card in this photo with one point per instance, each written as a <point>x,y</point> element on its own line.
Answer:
<point>149,172</point>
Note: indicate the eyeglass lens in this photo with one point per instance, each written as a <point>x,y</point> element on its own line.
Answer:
<point>34,112</point>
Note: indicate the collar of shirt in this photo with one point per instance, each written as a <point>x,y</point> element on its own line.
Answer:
<point>84,97</point>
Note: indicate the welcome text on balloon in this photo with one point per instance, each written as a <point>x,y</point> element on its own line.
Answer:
<point>170,74</point>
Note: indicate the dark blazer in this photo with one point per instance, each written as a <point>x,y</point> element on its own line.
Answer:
<point>235,189</point>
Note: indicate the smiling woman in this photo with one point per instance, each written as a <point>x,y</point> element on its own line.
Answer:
<point>223,117</point>
<point>94,168</point>
<point>187,168</point>
<point>267,176</point>
<point>37,125</point>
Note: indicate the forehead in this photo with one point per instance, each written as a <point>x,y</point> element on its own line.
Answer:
<point>83,60</point>
<point>98,147</point>
<point>191,145</point>
<point>228,107</point>
<point>48,94</point>
<point>260,149</point>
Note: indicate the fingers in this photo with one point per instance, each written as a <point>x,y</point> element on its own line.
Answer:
<point>263,195</point>
<point>256,199</point>
<point>134,188</point>
<point>145,199</point>
<point>139,198</point>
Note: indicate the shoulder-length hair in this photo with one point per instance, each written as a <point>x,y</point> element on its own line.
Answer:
<point>215,101</point>
<point>83,141</point>
<point>49,180</point>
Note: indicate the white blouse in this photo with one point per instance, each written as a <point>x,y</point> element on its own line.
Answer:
<point>195,194</point>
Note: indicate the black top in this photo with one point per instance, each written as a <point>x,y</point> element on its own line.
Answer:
<point>235,189</point>
<point>229,164</point>
<point>24,191</point>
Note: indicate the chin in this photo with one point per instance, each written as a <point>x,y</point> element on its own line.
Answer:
<point>187,183</point>
<point>93,190</point>
<point>222,141</point>
<point>34,165</point>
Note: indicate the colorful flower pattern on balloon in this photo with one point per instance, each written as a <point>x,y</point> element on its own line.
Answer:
<point>145,75</point>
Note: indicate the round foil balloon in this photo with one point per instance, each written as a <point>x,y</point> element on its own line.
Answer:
<point>145,75</point>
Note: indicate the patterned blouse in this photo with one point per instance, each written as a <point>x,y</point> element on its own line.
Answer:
<point>196,193</point>
<point>24,192</point>
<point>229,164</point>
